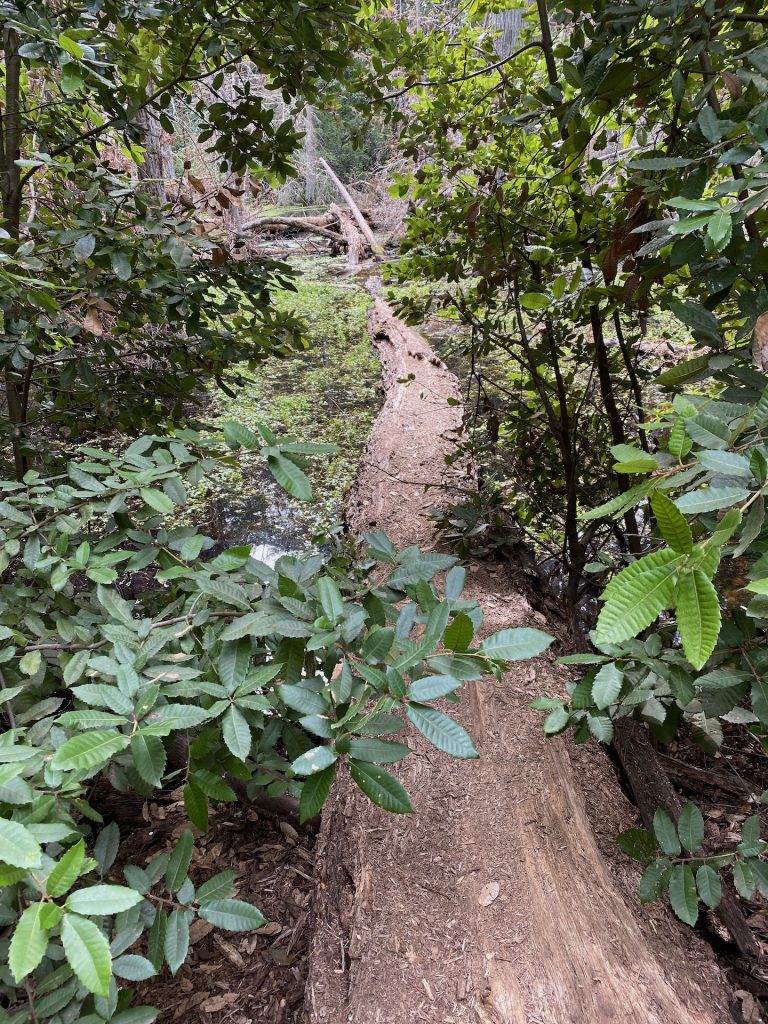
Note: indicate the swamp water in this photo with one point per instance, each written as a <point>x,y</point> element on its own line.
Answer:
<point>327,394</point>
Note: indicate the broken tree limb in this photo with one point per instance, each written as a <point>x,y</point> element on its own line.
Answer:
<point>699,780</point>
<point>362,223</point>
<point>652,789</point>
<point>357,248</point>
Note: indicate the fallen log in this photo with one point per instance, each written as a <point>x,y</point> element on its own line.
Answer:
<point>699,780</point>
<point>652,789</point>
<point>295,223</point>
<point>362,223</point>
<point>357,250</point>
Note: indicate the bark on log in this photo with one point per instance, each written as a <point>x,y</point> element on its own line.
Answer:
<point>652,789</point>
<point>362,223</point>
<point>295,223</point>
<point>699,780</point>
<point>357,250</point>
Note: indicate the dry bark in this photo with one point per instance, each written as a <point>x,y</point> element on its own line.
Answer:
<point>296,223</point>
<point>357,250</point>
<point>362,223</point>
<point>493,903</point>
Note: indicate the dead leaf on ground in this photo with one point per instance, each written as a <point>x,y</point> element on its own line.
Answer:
<point>488,894</point>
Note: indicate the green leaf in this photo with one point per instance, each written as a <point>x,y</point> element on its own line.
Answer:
<point>690,828</point>
<point>380,787</point>
<point>148,755</point>
<point>638,844</point>
<point>710,499</point>
<point>29,942</point>
<point>726,463</point>
<point>66,872</point>
<point>458,636</point>
<point>682,894</point>
<point>666,833</point>
<point>238,436</point>
<point>534,300</point>
<point>432,687</point>
<point>655,880</point>
<point>744,879</point>
<point>515,644</point>
<point>237,733</point>
<point>89,750</point>
<point>179,861</point>
<point>232,915</point>
<point>556,721</point>
<point>301,699</point>
<point>158,500</point>
<point>313,761</point>
<point>377,751</point>
<point>102,899</point>
<point>633,460</point>
<point>698,616</point>
<point>671,522</point>
<point>691,369</point>
<point>196,805</point>
<point>133,967</point>
<point>636,596</point>
<point>330,597</point>
<point>314,793</point>
<point>176,945</point>
<point>18,846</point>
<point>220,887</point>
<point>441,731</point>
<point>606,685</point>
<point>708,885</point>
<point>751,844</point>
<point>106,846</point>
<point>601,727</point>
<point>290,477</point>
<point>88,953</point>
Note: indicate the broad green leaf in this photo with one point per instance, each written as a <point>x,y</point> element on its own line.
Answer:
<point>102,899</point>
<point>380,787</point>
<point>176,945</point>
<point>314,793</point>
<point>236,733</point>
<point>432,687</point>
<point>751,844</point>
<point>743,879</point>
<point>639,844</point>
<point>556,721</point>
<point>18,846</point>
<point>606,686</point>
<point>196,805</point>
<point>148,755</point>
<point>710,499</point>
<point>88,953</point>
<point>633,460</point>
<point>158,500</point>
<point>636,596</point>
<point>601,727</point>
<point>236,435</point>
<point>441,731</point>
<point>133,967</point>
<point>220,887</point>
<point>655,880</point>
<point>682,894</point>
<point>66,872</point>
<point>106,846</point>
<point>89,750</point>
<point>515,644</point>
<point>708,431</point>
<point>29,942</point>
<point>690,828</point>
<point>233,915</point>
<point>179,861</point>
<point>313,761</point>
<point>666,833</point>
<point>458,636</point>
<point>671,522</point>
<point>290,477</point>
<point>708,885</point>
<point>377,751</point>
<point>331,600</point>
<point>726,463</point>
<point>698,616</point>
<point>301,699</point>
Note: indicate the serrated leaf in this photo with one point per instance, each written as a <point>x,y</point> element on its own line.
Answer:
<point>314,761</point>
<point>149,758</point>
<point>710,499</point>
<point>601,727</point>
<point>106,847</point>
<point>671,522</point>
<point>28,943</point>
<point>458,636</point>
<point>237,435</point>
<point>88,953</point>
<point>102,899</point>
<point>18,846</point>
<point>743,879</point>
<point>314,793</point>
<point>196,805</point>
<point>236,733</point>
<point>639,844</point>
<point>290,477</point>
<point>725,463</point>
<point>377,751</point>
<point>556,721</point>
<point>330,597</point>
<point>220,887</point>
<point>655,880</point>
<point>751,844</point>
<point>682,894</point>
<point>380,787</point>
<point>158,500</point>
<point>179,861</point>
<point>606,686</point>
<point>176,944</point>
<point>89,750</point>
<point>666,833</point>
<point>432,687</point>
<point>636,596</point>
<point>233,915</point>
<point>441,731</point>
<point>301,699</point>
<point>708,885</point>
<point>66,872</point>
<point>516,644</point>
<point>133,967</point>
<point>690,828</point>
<point>698,616</point>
